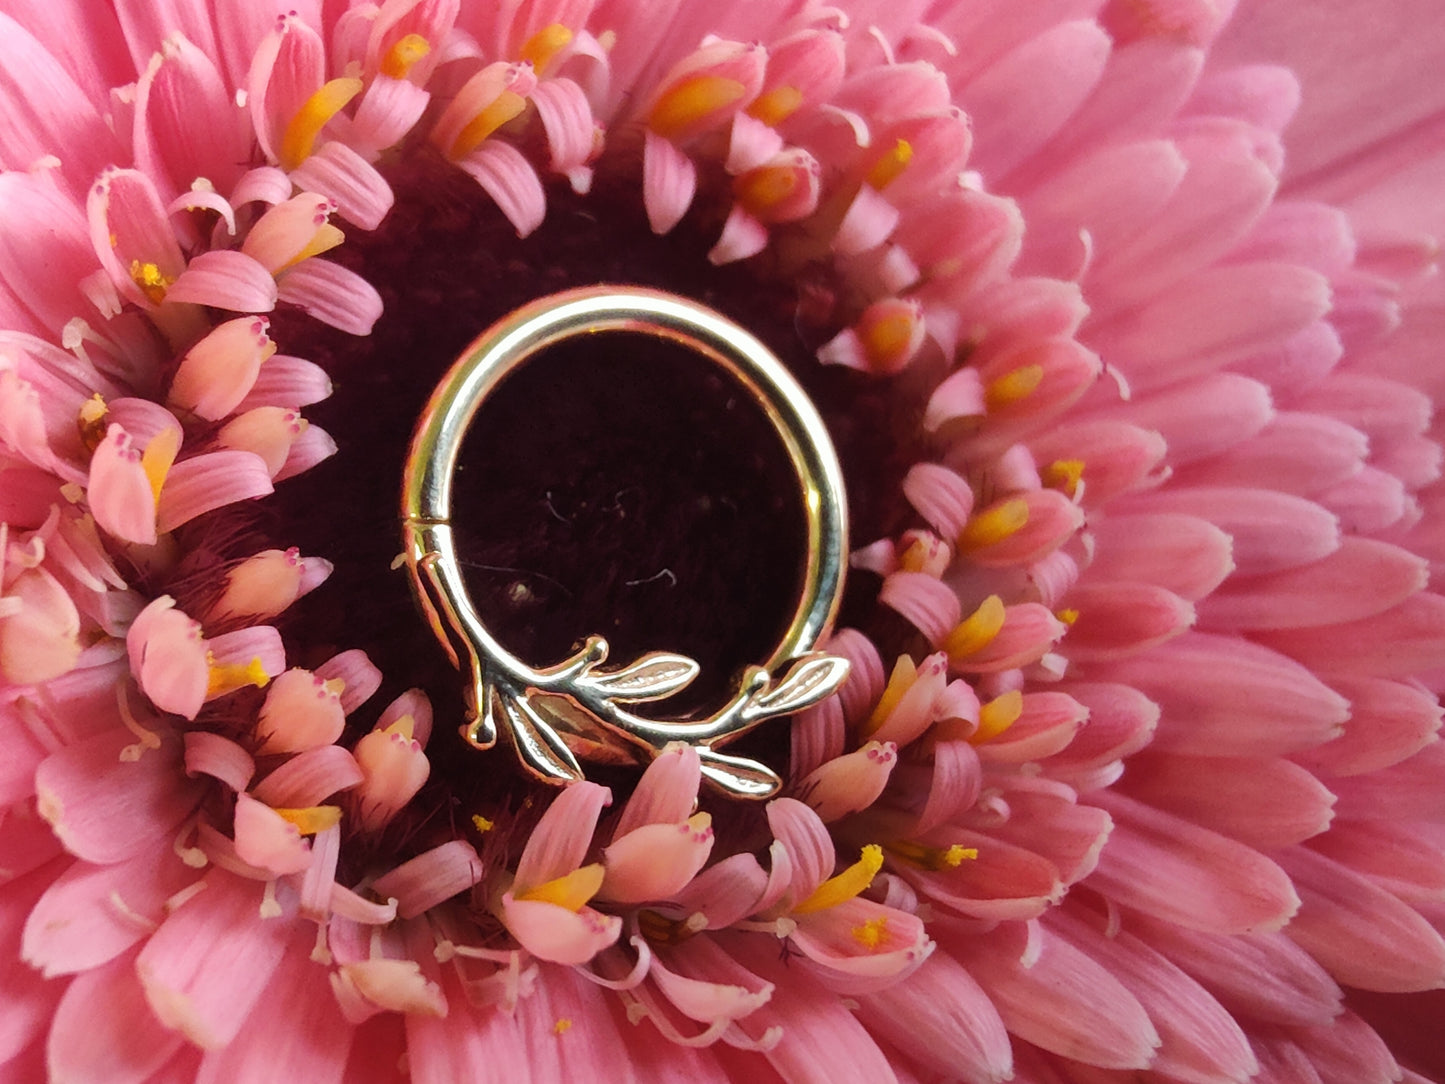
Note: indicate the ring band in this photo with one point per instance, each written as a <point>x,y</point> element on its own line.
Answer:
<point>575,708</point>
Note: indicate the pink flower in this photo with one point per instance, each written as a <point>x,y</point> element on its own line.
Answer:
<point>1125,319</point>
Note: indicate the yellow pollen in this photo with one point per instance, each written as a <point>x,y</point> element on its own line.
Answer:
<point>932,858</point>
<point>228,677</point>
<point>400,57</point>
<point>760,189</point>
<point>92,421</point>
<point>691,102</point>
<point>994,524</point>
<point>572,890</point>
<point>871,933</point>
<point>998,715</point>
<point>1065,474</point>
<point>481,824</point>
<point>504,107</point>
<point>889,338</point>
<point>150,280</point>
<point>1013,386</point>
<point>1068,616</point>
<point>846,885</point>
<point>977,630</point>
<point>300,135</point>
<point>903,676</point>
<point>891,165</point>
<point>562,1026</point>
<point>313,819</point>
<point>776,105</point>
<point>545,44</point>
<point>160,453</point>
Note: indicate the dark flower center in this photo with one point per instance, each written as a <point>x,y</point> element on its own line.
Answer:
<point>620,487</point>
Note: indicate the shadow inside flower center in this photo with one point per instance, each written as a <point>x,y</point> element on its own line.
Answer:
<point>624,494</point>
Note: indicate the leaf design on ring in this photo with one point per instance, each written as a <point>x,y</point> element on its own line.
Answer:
<point>655,676</point>
<point>539,746</point>
<point>811,679</point>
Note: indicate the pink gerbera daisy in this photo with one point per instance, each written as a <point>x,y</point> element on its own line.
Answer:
<point>1123,318</point>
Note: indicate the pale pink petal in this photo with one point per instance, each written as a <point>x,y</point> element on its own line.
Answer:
<point>337,297</point>
<point>206,482</point>
<point>554,933</point>
<point>125,1044</point>
<point>168,657</point>
<point>266,841</point>
<point>655,860</point>
<point>669,182</point>
<point>336,171</point>
<point>210,961</point>
<point>559,843</point>
<point>119,492</point>
<point>219,757</point>
<point>426,880</point>
<point>309,778</point>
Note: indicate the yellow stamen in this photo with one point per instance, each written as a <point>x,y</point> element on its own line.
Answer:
<point>504,107</point>
<point>761,189</point>
<point>903,676</point>
<point>977,630</point>
<point>160,453</point>
<point>932,858</point>
<point>325,239</point>
<point>888,338</point>
<point>571,891</point>
<point>313,819</point>
<point>545,44</point>
<point>481,824</point>
<point>1013,386</point>
<point>1067,615</point>
<point>891,165</point>
<point>562,1026</point>
<point>871,934</point>
<point>846,885</point>
<point>400,57</point>
<point>776,105</point>
<point>92,421</point>
<point>300,135</point>
<point>228,677</point>
<point>998,715</point>
<point>995,523</point>
<point>150,280</point>
<point>1065,474</point>
<point>691,101</point>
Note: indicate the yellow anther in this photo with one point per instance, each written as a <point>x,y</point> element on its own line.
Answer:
<point>1064,474</point>
<point>300,135</point>
<point>776,105</point>
<point>571,891</point>
<point>482,824</point>
<point>691,101</point>
<point>405,726</point>
<point>313,819</point>
<point>889,337</point>
<point>160,453</point>
<point>228,677</point>
<point>761,189</point>
<point>325,239</point>
<point>92,421</point>
<point>995,523</point>
<point>562,1026</point>
<point>545,44</point>
<point>998,715</point>
<point>504,107</point>
<point>978,629</point>
<point>1068,615</point>
<point>1013,386</point>
<point>150,280</point>
<point>406,52</point>
<point>891,165</point>
<point>846,885</point>
<point>903,676</point>
<point>872,933</point>
<point>931,858</point>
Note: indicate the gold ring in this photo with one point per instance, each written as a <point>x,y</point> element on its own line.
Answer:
<point>576,708</point>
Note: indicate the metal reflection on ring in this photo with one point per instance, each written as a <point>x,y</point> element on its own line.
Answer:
<point>577,708</point>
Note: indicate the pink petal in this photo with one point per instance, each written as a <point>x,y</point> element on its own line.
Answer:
<point>669,182</point>
<point>337,297</point>
<point>556,934</point>
<point>204,483</point>
<point>125,1044</point>
<point>225,279</point>
<point>559,843</point>
<point>309,778</point>
<point>210,961</point>
<point>220,758</point>
<point>654,861</point>
<point>433,876</point>
<point>666,793</point>
<point>119,491</point>
<point>336,171</point>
